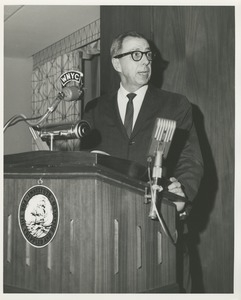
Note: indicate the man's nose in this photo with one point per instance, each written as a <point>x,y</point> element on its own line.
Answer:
<point>145,60</point>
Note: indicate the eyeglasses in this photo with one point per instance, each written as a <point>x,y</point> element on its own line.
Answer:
<point>137,55</point>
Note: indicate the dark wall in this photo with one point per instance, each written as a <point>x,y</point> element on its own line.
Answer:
<point>196,58</point>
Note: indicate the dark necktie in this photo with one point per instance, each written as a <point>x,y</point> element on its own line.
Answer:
<point>129,113</point>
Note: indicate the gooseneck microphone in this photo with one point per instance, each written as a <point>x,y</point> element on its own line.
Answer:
<point>60,131</point>
<point>67,94</point>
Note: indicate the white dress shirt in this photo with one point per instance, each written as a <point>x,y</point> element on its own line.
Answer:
<point>122,100</point>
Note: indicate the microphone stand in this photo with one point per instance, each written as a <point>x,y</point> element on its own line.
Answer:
<point>156,174</point>
<point>15,119</point>
<point>68,94</point>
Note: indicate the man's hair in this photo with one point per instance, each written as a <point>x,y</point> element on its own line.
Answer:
<point>118,41</point>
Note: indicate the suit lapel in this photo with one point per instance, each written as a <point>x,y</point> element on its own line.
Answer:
<point>147,112</point>
<point>114,114</point>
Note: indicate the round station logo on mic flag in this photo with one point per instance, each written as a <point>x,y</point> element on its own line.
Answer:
<point>38,216</point>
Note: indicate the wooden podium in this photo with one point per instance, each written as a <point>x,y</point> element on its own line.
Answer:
<point>104,241</point>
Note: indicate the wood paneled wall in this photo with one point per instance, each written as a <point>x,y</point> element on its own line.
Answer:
<point>196,58</point>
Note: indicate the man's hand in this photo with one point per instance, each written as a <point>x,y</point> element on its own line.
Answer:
<point>176,188</point>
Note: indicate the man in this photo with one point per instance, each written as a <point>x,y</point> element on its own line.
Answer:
<point>132,59</point>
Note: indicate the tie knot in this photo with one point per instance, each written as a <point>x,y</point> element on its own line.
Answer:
<point>131,96</point>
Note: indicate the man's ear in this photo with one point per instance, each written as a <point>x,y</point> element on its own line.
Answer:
<point>116,64</point>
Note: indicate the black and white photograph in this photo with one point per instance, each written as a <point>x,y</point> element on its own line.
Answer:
<point>120,149</point>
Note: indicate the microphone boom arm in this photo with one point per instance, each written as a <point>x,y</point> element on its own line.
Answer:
<point>68,94</point>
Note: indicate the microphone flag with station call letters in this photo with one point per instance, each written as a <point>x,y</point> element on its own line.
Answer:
<point>71,75</point>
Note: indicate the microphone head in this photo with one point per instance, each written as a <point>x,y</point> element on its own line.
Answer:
<point>64,131</point>
<point>82,129</point>
<point>71,93</point>
<point>162,135</point>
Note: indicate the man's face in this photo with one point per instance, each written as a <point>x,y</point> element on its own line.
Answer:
<point>134,74</point>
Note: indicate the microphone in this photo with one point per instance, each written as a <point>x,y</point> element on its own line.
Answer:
<point>162,136</point>
<point>70,93</point>
<point>160,143</point>
<point>63,131</point>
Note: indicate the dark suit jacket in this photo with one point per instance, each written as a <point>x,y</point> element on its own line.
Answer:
<point>184,159</point>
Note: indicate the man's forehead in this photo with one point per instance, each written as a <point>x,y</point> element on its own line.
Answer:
<point>132,43</point>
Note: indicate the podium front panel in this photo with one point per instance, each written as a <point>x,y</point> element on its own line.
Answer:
<point>104,243</point>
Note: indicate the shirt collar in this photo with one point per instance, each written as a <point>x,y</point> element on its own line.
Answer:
<point>140,92</point>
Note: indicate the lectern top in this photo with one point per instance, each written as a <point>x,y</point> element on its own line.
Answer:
<point>74,162</point>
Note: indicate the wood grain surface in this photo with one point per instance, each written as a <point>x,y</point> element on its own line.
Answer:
<point>105,242</point>
<point>196,47</point>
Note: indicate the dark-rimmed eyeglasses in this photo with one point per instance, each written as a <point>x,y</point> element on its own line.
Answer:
<point>137,55</point>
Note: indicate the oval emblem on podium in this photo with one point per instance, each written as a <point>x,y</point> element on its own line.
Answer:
<point>38,216</point>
